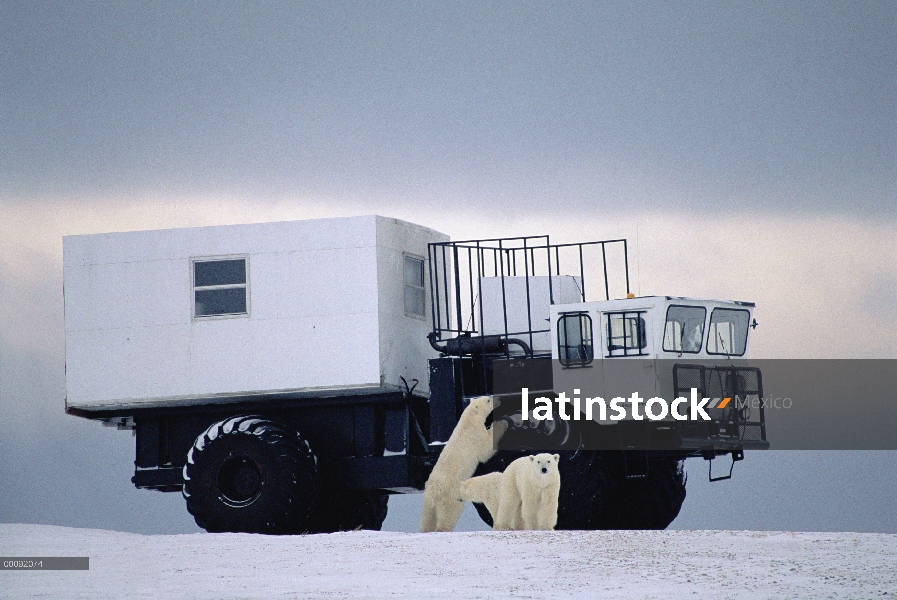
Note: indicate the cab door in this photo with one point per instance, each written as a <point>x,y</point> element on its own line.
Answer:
<point>577,368</point>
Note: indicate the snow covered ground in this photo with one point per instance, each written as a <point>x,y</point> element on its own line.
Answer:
<point>363,564</point>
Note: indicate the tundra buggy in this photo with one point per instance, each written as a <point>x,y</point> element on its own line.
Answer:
<point>288,377</point>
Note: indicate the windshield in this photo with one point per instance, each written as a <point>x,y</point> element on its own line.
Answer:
<point>728,331</point>
<point>684,329</point>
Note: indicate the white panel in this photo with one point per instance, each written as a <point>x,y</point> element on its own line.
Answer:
<point>131,294</point>
<point>565,289</point>
<point>171,244</point>
<point>315,316</point>
<point>218,356</point>
<point>404,349</point>
<point>158,361</point>
<point>97,365</point>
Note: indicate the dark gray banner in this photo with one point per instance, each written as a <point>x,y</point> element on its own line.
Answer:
<point>45,563</point>
<point>697,407</point>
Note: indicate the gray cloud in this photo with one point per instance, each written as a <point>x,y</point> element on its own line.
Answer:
<point>881,294</point>
<point>760,106</point>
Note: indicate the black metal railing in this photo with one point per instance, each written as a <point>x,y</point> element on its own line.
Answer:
<point>458,270</point>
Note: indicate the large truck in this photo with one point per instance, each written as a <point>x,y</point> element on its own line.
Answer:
<point>288,377</point>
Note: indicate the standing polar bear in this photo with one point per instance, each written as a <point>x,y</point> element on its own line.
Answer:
<point>530,487</point>
<point>470,444</point>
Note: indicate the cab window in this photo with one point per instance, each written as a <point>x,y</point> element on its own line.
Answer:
<point>684,329</point>
<point>627,334</point>
<point>728,331</point>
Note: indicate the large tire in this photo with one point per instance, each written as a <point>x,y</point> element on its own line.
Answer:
<point>342,509</point>
<point>650,502</point>
<point>250,474</point>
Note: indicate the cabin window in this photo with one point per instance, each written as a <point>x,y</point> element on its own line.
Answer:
<point>684,329</point>
<point>575,339</point>
<point>728,331</point>
<point>627,334</point>
<point>220,287</point>
<point>415,297</point>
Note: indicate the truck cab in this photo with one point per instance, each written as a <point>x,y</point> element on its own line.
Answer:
<point>650,327</point>
<point>524,313</point>
<point>663,346</point>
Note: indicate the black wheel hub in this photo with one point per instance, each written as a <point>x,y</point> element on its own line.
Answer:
<point>249,474</point>
<point>239,481</point>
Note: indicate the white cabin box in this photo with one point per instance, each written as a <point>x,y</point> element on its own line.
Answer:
<point>217,314</point>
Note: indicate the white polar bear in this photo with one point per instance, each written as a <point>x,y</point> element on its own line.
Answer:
<point>483,489</point>
<point>529,493</point>
<point>470,444</point>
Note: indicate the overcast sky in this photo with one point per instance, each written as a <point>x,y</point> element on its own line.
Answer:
<point>748,150</point>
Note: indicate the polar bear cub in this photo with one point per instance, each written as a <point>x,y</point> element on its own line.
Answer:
<point>529,494</point>
<point>470,444</point>
<point>483,489</point>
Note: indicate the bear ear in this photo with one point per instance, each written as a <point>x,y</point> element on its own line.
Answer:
<point>557,457</point>
<point>532,458</point>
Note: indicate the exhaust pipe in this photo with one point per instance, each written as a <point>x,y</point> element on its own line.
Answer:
<point>486,344</point>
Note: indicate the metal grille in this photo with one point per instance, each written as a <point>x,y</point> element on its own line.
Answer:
<point>743,418</point>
